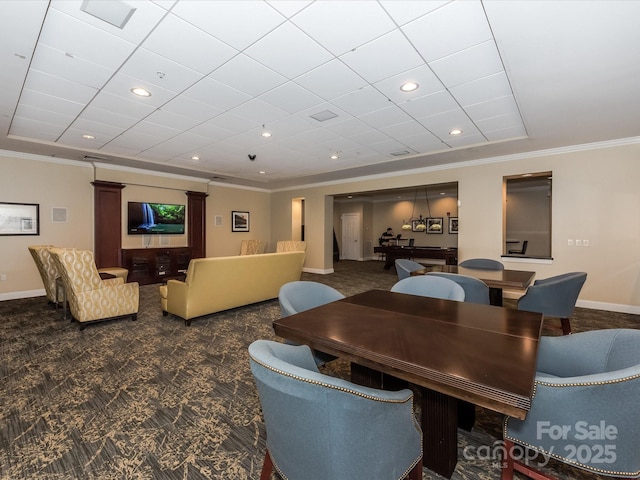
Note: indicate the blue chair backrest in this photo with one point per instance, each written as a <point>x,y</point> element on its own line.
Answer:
<point>555,296</point>
<point>475,290</point>
<point>483,264</point>
<point>430,286</point>
<point>295,297</point>
<point>404,267</point>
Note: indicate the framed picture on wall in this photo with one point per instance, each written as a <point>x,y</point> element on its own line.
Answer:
<point>434,225</point>
<point>239,221</point>
<point>19,218</point>
<point>453,224</point>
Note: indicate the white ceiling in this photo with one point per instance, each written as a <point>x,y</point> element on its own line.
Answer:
<point>515,76</point>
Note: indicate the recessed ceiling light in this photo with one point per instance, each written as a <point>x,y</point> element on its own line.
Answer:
<point>141,92</point>
<point>262,172</point>
<point>455,131</point>
<point>195,157</point>
<point>266,134</point>
<point>88,137</point>
<point>334,157</point>
<point>409,86</point>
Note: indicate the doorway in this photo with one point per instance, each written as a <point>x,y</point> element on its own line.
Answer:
<point>351,241</point>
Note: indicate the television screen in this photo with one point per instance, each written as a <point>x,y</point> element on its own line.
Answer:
<point>160,218</point>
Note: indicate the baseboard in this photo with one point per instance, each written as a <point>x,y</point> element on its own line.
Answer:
<point>23,294</point>
<point>610,307</point>
<point>320,271</point>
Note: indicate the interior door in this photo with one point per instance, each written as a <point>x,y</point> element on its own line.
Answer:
<point>351,249</point>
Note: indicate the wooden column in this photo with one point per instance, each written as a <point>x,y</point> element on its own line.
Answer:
<point>107,223</point>
<point>197,223</point>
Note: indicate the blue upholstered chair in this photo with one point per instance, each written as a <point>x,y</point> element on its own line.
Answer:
<point>475,290</point>
<point>404,267</point>
<point>585,409</point>
<point>325,428</point>
<point>430,286</point>
<point>554,297</point>
<point>295,297</point>
<point>482,264</point>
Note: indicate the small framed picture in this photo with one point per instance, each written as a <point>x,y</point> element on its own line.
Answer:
<point>19,218</point>
<point>239,221</point>
<point>453,224</point>
<point>434,225</point>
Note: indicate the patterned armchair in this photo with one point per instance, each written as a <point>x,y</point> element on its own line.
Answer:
<point>290,246</point>
<point>91,298</point>
<point>252,247</point>
<point>47,269</point>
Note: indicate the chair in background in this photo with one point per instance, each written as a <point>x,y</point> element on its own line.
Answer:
<point>589,379</point>
<point>482,264</point>
<point>475,290</point>
<point>91,298</point>
<point>47,270</point>
<point>320,427</point>
<point>296,297</point>
<point>522,251</point>
<point>404,267</point>
<point>554,297</point>
<point>252,247</point>
<point>290,246</point>
<point>430,286</point>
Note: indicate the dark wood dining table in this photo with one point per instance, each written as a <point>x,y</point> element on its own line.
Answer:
<point>451,351</point>
<point>495,279</point>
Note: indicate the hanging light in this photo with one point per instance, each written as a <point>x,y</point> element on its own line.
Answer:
<point>419,223</point>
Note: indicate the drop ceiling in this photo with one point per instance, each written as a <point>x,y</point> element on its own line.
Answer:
<point>514,76</point>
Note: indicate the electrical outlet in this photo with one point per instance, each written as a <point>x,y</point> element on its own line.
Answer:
<point>3,277</point>
<point>578,243</point>
<point>570,242</point>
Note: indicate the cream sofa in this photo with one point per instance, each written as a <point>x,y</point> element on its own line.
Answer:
<point>220,283</point>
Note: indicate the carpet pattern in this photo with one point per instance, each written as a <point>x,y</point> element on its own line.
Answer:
<point>153,399</point>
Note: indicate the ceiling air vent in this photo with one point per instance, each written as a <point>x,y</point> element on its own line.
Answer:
<point>324,115</point>
<point>400,153</point>
<point>95,158</point>
<point>114,12</point>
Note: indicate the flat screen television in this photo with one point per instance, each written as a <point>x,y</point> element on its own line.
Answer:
<point>155,218</point>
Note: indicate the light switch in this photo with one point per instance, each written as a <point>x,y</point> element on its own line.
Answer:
<point>570,242</point>
<point>578,243</point>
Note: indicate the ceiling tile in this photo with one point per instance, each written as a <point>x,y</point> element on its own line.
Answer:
<point>187,107</point>
<point>145,17</point>
<point>57,63</point>
<point>51,103</point>
<point>453,27</point>
<point>47,116</point>
<point>108,117</point>
<point>121,85</point>
<point>288,51</point>
<point>127,106</point>
<point>383,57</point>
<point>482,90</point>
<point>189,50</point>
<point>291,97</point>
<point>288,8</point>
<point>365,100</point>
<point>85,41</point>
<point>247,75</point>
<point>26,127</point>
<point>156,70</point>
<point>259,112</point>
<point>429,105</point>
<point>492,108</point>
<point>470,64</point>
<point>331,23</point>
<point>59,87</point>
<point>404,11</point>
<point>217,94</point>
<point>387,116</point>
<point>440,125</point>
<point>238,24</point>
<point>172,120</point>
<point>331,80</point>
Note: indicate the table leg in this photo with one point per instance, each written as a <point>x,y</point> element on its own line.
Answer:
<point>440,432</point>
<point>495,296</point>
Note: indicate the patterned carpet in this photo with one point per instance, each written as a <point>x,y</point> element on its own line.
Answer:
<point>153,399</point>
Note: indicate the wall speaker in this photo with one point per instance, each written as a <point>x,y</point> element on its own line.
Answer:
<point>59,215</point>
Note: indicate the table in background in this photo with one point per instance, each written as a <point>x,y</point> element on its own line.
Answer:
<point>480,354</point>
<point>392,252</point>
<point>495,279</point>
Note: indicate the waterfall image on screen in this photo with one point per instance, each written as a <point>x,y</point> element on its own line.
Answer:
<point>160,218</point>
